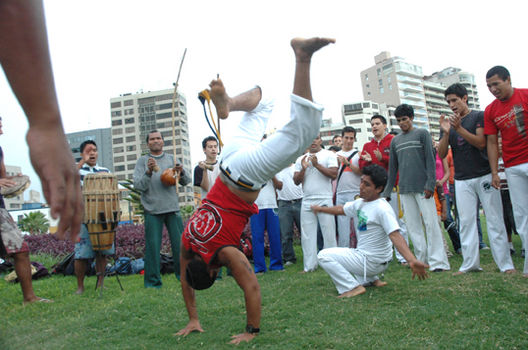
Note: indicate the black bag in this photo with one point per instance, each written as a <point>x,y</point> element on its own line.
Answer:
<point>166,264</point>
<point>42,271</point>
<point>67,266</point>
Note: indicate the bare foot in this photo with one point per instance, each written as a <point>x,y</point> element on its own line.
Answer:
<point>352,293</point>
<point>305,48</point>
<point>79,290</point>
<point>379,283</point>
<point>220,98</point>
<point>38,300</point>
<point>458,273</point>
<point>509,272</point>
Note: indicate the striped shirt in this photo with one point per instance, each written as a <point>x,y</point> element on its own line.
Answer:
<point>87,170</point>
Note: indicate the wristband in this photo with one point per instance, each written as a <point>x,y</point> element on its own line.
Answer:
<point>252,330</point>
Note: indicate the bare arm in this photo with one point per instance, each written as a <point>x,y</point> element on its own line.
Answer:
<point>276,183</point>
<point>418,268</point>
<point>204,184</point>
<point>443,145</point>
<point>188,296</point>
<point>337,210</point>
<point>243,273</point>
<point>447,172</point>
<point>493,158</point>
<point>24,56</point>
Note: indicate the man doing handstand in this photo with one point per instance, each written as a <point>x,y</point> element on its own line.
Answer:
<point>376,227</point>
<point>212,235</point>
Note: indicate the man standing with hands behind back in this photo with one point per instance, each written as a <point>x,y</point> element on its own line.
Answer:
<point>160,205</point>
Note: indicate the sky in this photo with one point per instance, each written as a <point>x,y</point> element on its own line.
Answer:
<point>102,49</point>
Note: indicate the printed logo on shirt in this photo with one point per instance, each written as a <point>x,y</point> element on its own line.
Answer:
<point>205,223</point>
<point>362,221</point>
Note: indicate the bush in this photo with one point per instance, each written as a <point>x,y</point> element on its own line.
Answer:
<point>130,241</point>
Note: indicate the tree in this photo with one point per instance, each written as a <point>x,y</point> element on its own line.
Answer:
<point>134,197</point>
<point>34,223</point>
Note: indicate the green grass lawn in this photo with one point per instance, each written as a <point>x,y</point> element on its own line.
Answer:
<point>485,310</point>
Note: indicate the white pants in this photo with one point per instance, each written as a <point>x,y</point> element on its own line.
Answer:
<point>403,228</point>
<point>432,252</point>
<point>247,158</point>
<point>309,222</point>
<point>349,267</point>
<point>467,194</point>
<point>517,177</point>
<point>343,221</point>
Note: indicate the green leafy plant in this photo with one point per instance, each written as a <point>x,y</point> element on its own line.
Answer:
<point>34,223</point>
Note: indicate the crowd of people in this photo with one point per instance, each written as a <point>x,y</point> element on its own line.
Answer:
<point>361,203</point>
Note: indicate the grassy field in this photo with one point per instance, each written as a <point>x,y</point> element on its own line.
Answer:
<point>485,310</point>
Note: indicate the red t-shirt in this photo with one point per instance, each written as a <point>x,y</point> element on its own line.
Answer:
<point>511,119</point>
<point>217,223</point>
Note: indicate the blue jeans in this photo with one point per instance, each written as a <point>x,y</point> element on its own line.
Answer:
<point>268,220</point>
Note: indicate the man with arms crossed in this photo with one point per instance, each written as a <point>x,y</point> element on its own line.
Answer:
<point>508,114</point>
<point>211,238</point>
<point>376,226</point>
<point>411,153</point>
<point>316,170</point>
<point>464,132</point>
<point>348,179</point>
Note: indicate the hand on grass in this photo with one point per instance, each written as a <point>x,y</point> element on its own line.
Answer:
<point>237,339</point>
<point>192,326</point>
<point>419,269</point>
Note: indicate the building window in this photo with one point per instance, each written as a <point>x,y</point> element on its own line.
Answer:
<point>117,140</point>
<point>378,71</point>
<point>131,166</point>
<point>129,102</point>
<point>117,122</point>
<point>118,149</point>
<point>117,131</point>
<point>119,168</point>
<point>131,138</point>
<point>116,113</point>
<point>130,129</point>
<point>366,77</point>
<point>119,159</point>
<point>131,148</point>
<point>131,157</point>
<point>381,90</point>
<point>129,121</point>
<point>115,104</point>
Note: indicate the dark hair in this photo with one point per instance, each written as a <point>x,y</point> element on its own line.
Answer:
<point>207,139</point>
<point>394,132</point>
<point>348,129</point>
<point>380,117</point>
<point>335,137</point>
<point>501,71</point>
<point>334,148</point>
<point>198,276</point>
<point>152,132</point>
<point>377,174</point>
<point>86,143</point>
<point>404,110</point>
<point>456,89</point>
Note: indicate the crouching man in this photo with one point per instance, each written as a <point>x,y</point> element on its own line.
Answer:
<point>376,226</point>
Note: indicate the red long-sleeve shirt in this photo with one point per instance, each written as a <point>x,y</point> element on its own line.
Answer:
<point>383,146</point>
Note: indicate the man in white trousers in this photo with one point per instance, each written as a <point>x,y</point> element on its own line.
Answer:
<point>464,132</point>
<point>411,156</point>
<point>508,114</point>
<point>351,269</point>
<point>316,170</point>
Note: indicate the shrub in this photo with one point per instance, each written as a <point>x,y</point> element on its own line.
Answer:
<point>130,241</point>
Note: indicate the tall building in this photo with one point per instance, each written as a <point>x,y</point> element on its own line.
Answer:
<point>452,75</point>
<point>393,81</point>
<point>134,116</point>
<point>102,137</point>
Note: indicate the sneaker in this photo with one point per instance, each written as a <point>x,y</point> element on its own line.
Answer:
<point>288,263</point>
<point>522,253</point>
<point>484,247</point>
<point>512,251</point>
